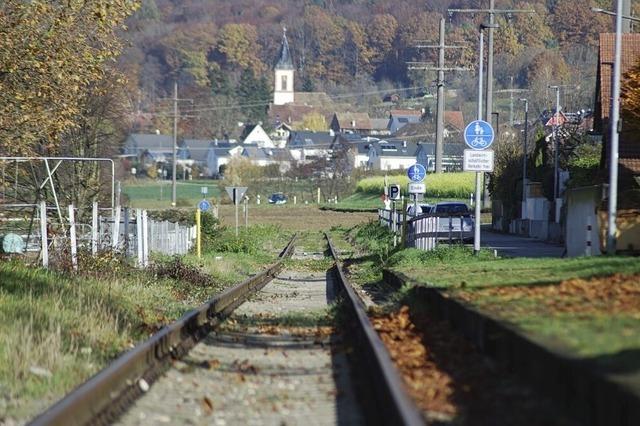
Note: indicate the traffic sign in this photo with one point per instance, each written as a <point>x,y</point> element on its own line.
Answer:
<point>204,205</point>
<point>478,161</point>
<point>478,135</point>
<point>417,188</point>
<point>236,193</point>
<point>394,192</point>
<point>417,173</point>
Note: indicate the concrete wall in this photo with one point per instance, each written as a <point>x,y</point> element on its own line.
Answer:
<point>581,213</point>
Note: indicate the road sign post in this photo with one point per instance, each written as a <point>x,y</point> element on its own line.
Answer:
<point>394,192</point>
<point>236,193</point>
<point>478,135</point>
<point>416,174</point>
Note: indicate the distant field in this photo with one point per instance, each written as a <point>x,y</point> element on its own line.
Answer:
<point>151,194</point>
<point>443,185</point>
<point>157,194</point>
<point>367,201</point>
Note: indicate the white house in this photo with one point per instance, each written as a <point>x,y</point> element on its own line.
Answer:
<point>307,145</point>
<point>391,155</point>
<point>220,154</point>
<point>255,135</point>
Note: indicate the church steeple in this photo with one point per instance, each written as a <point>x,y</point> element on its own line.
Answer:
<point>283,88</point>
<point>284,62</point>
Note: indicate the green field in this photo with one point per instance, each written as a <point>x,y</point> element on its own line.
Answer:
<point>153,194</point>
<point>443,185</point>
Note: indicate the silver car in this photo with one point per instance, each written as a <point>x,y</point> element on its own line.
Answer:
<point>454,220</point>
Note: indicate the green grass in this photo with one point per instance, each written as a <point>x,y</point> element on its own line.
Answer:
<point>157,194</point>
<point>610,339</point>
<point>446,267</point>
<point>443,185</point>
<point>70,327</point>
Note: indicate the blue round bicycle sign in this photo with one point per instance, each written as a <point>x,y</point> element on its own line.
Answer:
<point>478,135</point>
<point>417,173</point>
<point>204,205</point>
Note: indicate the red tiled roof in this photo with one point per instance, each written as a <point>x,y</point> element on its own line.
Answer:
<point>630,54</point>
<point>454,119</point>
<point>415,112</point>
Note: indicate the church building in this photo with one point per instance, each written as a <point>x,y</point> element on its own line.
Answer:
<point>283,91</point>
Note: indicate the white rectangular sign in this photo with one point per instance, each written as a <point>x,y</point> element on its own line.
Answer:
<point>478,161</point>
<point>417,188</point>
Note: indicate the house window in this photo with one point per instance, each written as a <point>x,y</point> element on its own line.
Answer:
<point>283,83</point>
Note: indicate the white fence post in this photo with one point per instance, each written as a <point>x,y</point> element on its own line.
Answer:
<point>139,237</point>
<point>145,239</point>
<point>116,229</point>
<point>94,229</point>
<point>72,237</point>
<point>43,234</point>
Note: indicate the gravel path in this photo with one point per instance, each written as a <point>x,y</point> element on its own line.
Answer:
<point>276,361</point>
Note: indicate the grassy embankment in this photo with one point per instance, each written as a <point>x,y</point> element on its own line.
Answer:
<point>57,329</point>
<point>440,187</point>
<point>585,307</point>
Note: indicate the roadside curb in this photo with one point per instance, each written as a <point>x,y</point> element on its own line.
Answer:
<point>348,209</point>
<point>588,394</point>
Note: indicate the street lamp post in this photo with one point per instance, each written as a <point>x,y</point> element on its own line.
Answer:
<point>556,119</point>
<point>613,154</point>
<point>524,161</point>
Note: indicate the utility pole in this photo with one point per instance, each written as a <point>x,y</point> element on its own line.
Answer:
<point>511,91</point>
<point>556,122</point>
<point>175,142</point>
<point>524,160</point>
<point>440,83</point>
<point>492,11</point>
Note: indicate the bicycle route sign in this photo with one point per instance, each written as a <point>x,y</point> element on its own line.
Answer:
<point>416,173</point>
<point>478,135</point>
<point>204,205</point>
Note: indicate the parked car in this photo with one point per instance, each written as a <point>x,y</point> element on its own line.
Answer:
<point>277,198</point>
<point>459,226</point>
<point>422,209</point>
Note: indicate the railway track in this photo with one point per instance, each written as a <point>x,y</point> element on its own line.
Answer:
<point>267,351</point>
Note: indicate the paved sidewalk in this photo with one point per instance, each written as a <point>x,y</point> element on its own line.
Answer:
<point>516,246</point>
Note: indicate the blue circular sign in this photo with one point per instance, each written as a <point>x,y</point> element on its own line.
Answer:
<point>417,173</point>
<point>204,205</point>
<point>478,135</point>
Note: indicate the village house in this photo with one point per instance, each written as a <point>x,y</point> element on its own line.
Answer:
<point>308,145</point>
<point>391,155</point>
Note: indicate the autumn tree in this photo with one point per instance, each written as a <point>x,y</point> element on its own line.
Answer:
<point>237,44</point>
<point>315,122</point>
<point>51,52</point>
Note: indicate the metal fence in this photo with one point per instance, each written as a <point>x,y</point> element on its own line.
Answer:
<point>426,231</point>
<point>125,231</point>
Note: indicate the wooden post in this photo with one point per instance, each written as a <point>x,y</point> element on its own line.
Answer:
<point>72,238</point>
<point>318,195</point>
<point>43,234</point>
<point>139,237</point>
<point>94,228</point>
<point>145,239</point>
<point>198,234</point>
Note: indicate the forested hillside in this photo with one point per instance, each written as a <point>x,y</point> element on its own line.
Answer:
<point>222,52</point>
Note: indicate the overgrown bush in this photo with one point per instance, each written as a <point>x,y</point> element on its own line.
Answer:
<point>442,185</point>
<point>375,239</point>
<point>249,240</point>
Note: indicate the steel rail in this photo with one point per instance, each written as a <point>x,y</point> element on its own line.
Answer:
<point>102,398</point>
<point>392,404</point>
